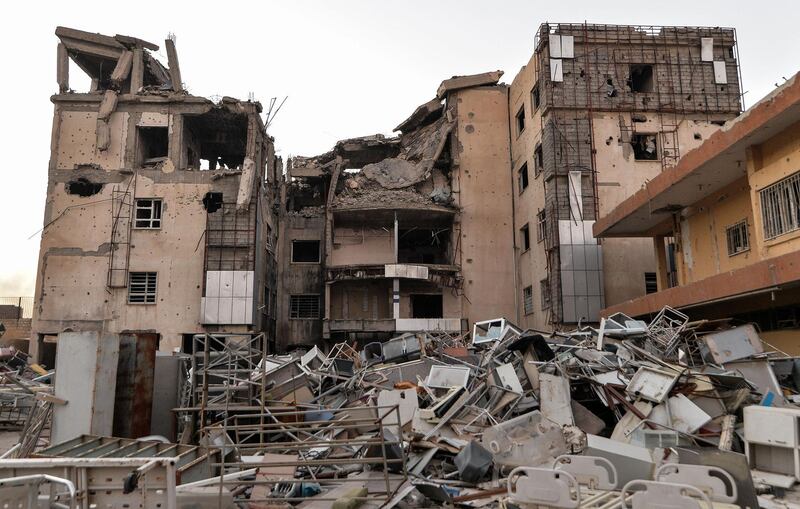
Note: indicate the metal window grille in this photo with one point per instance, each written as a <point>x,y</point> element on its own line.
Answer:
<point>650,282</point>
<point>304,306</point>
<point>780,206</point>
<point>148,213</point>
<point>738,240</point>
<point>545,289</point>
<point>527,298</point>
<point>142,287</point>
<point>541,225</point>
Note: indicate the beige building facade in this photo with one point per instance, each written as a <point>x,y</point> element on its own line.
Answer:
<point>158,214</point>
<point>598,111</point>
<point>382,236</point>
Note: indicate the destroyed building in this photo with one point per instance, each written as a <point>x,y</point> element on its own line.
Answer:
<point>158,219</point>
<point>399,253</point>
<point>724,224</point>
<point>598,111</point>
<point>383,235</point>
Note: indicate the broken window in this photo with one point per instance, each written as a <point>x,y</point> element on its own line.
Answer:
<point>142,287</point>
<point>541,225</point>
<point>527,299</point>
<point>83,187</point>
<point>645,147</point>
<point>521,119</point>
<point>523,177</point>
<point>426,305</point>
<point>422,245</point>
<point>153,145</point>
<point>305,251</point>
<point>212,202</point>
<point>525,237</point>
<point>305,306</point>
<point>535,97</point>
<point>216,139</point>
<point>738,241</point>
<point>148,213</point>
<point>641,78</point>
<point>538,160</point>
<point>780,206</point>
<point>650,282</point>
<point>545,290</point>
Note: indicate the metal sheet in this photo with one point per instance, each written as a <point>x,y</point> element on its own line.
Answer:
<point>556,70</point>
<point>134,391</point>
<point>555,399</point>
<point>86,376</point>
<point>444,377</point>
<point>707,49</point>
<point>732,344</point>
<point>651,384</point>
<point>720,73</point>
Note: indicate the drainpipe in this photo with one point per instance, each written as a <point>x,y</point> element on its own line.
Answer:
<point>513,212</point>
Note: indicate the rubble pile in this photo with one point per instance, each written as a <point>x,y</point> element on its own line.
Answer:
<point>698,412</point>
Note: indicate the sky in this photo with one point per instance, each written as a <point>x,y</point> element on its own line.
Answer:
<point>347,68</point>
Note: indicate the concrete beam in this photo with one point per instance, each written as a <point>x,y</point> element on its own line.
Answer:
<point>473,80</point>
<point>174,66</point>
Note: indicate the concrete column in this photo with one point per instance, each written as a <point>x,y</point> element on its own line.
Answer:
<point>661,263</point>
<point>35,347</point>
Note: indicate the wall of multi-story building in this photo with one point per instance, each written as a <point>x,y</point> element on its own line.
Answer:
<point>136,225</point>
<point>482,190</point>
<point>300,281</point>
<point>596,112</point>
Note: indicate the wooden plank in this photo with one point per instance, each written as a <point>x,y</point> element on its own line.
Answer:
<point>62,68</point>
<point>174,66</point>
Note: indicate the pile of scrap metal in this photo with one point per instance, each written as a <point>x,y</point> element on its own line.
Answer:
<point>670,413</point>
<point>629,411</point>
<point>26,398</point>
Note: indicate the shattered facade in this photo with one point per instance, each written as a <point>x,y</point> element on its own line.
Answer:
<point>384,235</point>
<point>159,203</point>
<point>598,111</point>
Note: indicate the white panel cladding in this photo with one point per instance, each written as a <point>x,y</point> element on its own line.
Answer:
<point>720,73</point>
<point>581,271</point>
<point>556,70</point>
<point>406,271</point>
<point>421,324</point>
<point>226,310</point>
<point>229,283</point>
<point>707,49</point>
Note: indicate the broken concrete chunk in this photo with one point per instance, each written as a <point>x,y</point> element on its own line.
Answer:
<point>422,115</point>
<point>473,80</point>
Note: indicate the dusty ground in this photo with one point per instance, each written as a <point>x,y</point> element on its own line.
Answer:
<point>8,439</point>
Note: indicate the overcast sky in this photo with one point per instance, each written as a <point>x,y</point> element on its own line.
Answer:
<point>349,68</point>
